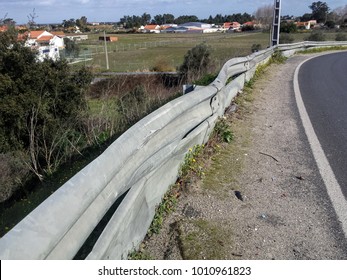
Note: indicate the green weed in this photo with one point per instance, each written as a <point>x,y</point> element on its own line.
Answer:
<point>277,57</point>
<point>167,205</point>
<point>222,130</point>
<point>139,255</point>
<point>191,165</point>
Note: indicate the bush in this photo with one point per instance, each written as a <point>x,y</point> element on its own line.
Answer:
<point>12,172</point>
<point>278,57</point>
<point>286,38</point>
<point>246,28</point>
<point>41,106</point>
<point>316,36</point>
<point>196,62</point>
<point>256,48</point>
<point>330,24</point>
<point>341,37</point>
<point>162,64</point>
<point>288,27</point>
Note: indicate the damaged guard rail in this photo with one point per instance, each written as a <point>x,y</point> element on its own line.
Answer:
<point>142,163</point>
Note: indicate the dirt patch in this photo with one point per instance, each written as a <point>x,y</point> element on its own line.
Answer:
<point>262,196</point>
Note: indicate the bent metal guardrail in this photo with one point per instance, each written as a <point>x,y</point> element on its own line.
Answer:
<point>143,162</point>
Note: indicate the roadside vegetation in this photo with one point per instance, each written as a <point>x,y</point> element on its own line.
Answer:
<point>201,167</point>
<point>53,122</point>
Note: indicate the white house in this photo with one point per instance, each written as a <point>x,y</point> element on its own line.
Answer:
<point>47,44</point>
<point>150,28</point>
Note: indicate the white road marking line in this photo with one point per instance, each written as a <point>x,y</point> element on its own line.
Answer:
<point>333,188</point>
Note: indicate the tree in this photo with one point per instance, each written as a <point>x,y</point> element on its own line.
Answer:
<point>69,23</point>
<point>134,21</point>
<point>7,21</point>
<point>341,14</point>
<point>163,19</point>
<point>306,17</point>
<point>195,62</point>
<point>330,24</point>
<point>82,24</point>
<point>41,106</point>
<point>71,48</point>
<point>31,19</point>
<point>319,11</point>
<point>145,19</point>
<point>264,15</point>
<point>185,19</point>
<point>288,27</point>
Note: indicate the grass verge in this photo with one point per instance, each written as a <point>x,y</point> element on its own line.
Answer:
<point>325,49</point>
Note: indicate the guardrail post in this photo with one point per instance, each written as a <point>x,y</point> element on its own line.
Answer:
<point>276,23</point>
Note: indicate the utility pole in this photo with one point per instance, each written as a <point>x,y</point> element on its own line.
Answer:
<point>275,34</point>
<point>107,65</point>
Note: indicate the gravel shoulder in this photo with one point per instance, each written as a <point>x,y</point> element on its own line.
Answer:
<point>262,196</point>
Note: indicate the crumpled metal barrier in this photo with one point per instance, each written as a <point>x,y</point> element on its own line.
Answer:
<point>145,161</point>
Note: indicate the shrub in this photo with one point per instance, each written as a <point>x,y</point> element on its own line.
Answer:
<point>341,37</point>
<point>288,27</point>
<point>256,47</point>
<point>278,57</point>
<point>286,38</point>
<point>330,24</point>
<point>316,36</point>
<point>196,62</point>
<point>41,106</point>
<point>12,173</point>
<point>246,28</point>
<point>162,64</point>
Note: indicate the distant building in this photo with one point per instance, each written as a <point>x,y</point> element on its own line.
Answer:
<point>307,24</point>
<point>150,28</point>
<point>175,29</point>
<point>48,44</point>
<point>249,23</point>
<point>108,38</point>
<point>196,25</point>
<point>232,26</point>
<point>190,27</point>
<point>77,37</point>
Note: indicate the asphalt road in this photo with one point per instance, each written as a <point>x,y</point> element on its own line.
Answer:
<point>323,86</point>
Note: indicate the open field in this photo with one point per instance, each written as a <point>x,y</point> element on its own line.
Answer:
<point>142,52</point>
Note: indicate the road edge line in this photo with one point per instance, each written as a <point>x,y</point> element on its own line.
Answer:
<point>332,186</point>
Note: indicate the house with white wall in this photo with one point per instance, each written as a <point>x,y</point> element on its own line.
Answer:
<point>48,44</point>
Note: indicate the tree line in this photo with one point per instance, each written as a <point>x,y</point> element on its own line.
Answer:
<point>320,11</point>
<point>136,21</point>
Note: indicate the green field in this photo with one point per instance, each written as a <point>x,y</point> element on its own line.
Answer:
<point>141,52</point>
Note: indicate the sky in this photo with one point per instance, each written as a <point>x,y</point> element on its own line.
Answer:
<point>55,11</point>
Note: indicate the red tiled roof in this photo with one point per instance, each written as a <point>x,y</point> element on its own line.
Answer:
<point>35,34</point>
<point>231,24</point>
<point>44,38</point>
<point>151,26</point>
